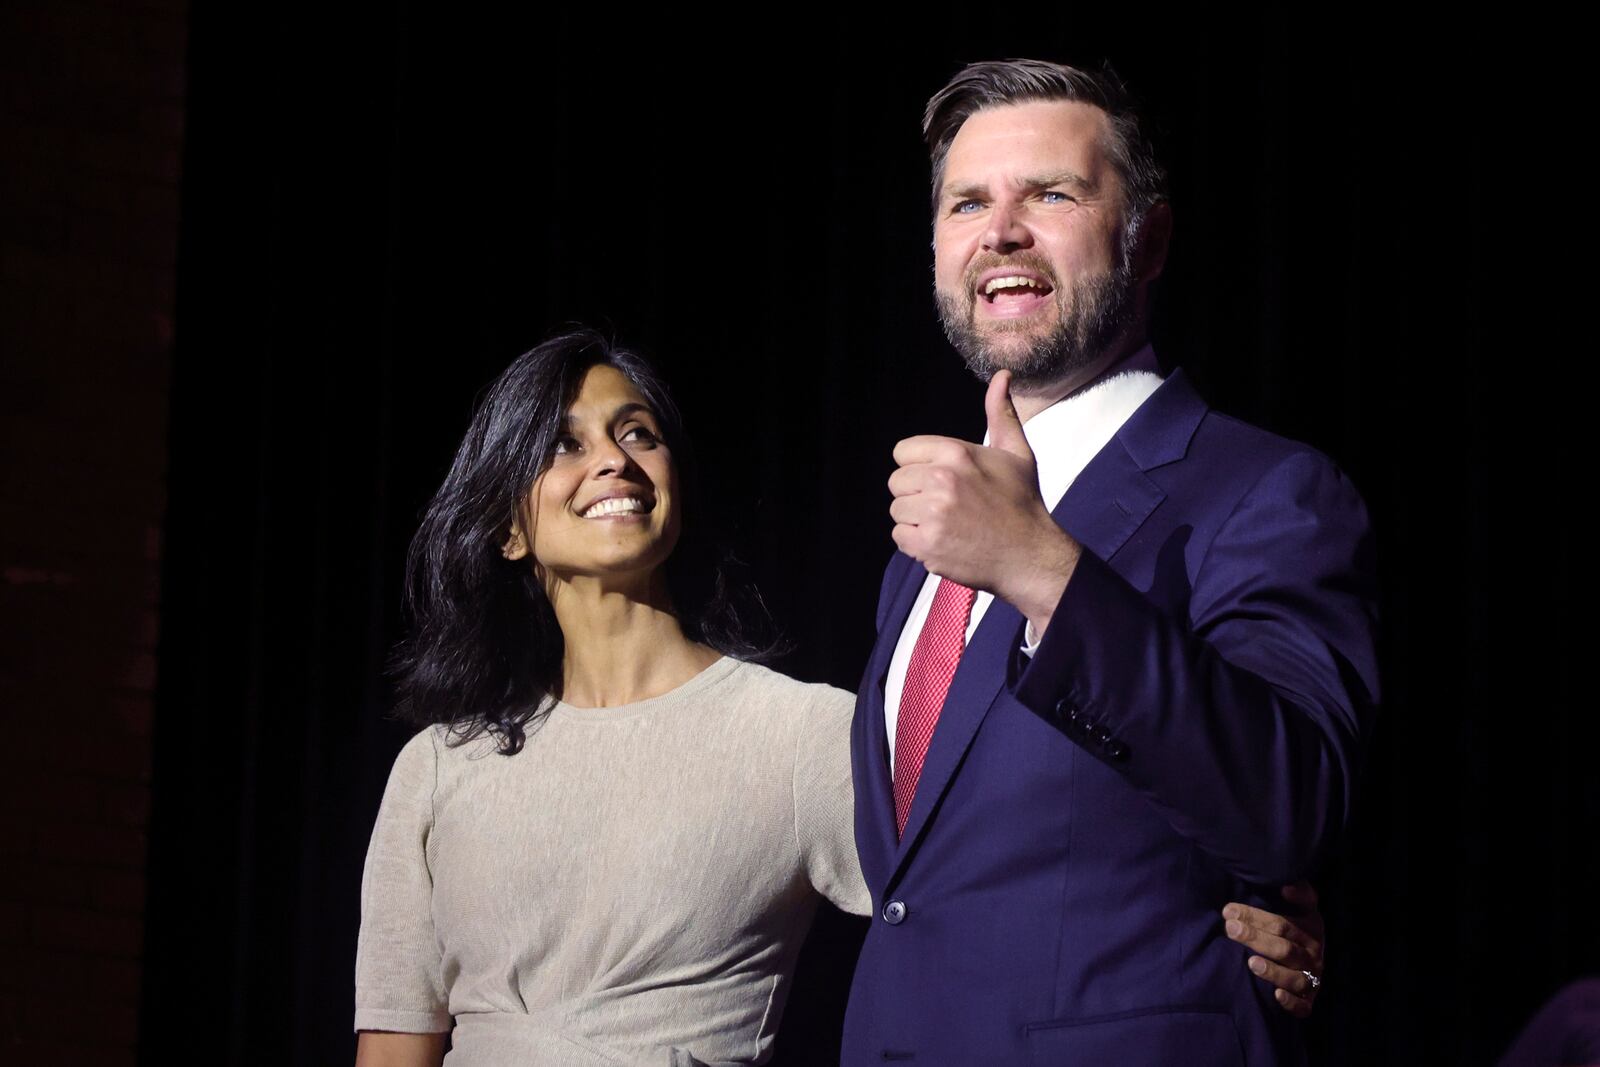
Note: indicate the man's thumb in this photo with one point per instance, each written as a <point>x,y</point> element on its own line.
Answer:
<point>1005,428</point>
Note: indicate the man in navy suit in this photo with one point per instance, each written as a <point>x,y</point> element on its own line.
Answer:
<point>1125,655</point>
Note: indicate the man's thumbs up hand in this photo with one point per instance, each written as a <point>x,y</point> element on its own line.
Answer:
<point>973,514</point>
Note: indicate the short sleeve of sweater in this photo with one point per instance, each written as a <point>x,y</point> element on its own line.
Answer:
<point>399,985</point>
<point>824,801</point>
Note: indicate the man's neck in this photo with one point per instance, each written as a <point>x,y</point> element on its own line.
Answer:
<point>1129,355</point>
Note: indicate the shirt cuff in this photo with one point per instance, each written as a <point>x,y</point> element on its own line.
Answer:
<point>1030,640</point>
<point>400,1021</point>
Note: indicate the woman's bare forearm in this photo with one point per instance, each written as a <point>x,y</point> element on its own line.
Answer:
<point>378,1048</point>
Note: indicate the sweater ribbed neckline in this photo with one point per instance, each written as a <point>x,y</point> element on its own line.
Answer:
<point>715,673</point>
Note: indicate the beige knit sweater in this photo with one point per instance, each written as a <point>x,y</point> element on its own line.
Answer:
<point>636,881</point>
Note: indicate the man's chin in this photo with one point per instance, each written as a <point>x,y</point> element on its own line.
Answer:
<point>1023,346</point>
<point>1013,350</point>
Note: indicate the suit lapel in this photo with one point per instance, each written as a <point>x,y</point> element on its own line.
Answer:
<point>1108,501</point>
<point>878,794</point>
<point>1113,495</point>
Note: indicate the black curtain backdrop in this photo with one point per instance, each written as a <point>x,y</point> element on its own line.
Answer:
<point>382,207</point>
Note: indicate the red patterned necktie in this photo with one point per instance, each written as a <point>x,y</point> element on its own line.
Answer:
<point>933,664</point>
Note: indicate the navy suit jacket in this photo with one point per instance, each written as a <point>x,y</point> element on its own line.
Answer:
<point>1186,734</point>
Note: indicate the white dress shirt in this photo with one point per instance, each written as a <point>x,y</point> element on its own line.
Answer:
<point>1064,437</point>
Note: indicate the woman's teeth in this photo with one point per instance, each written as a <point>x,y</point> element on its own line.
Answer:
<point>617,505</point>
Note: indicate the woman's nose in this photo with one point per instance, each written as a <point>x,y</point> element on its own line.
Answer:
<point>610,458</point>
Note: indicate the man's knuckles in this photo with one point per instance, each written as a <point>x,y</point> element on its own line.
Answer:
<point>907,540</point>
<point>930,449</point>
<point>943,481</point>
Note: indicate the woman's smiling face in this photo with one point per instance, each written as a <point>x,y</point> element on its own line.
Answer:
<point>607,503</point>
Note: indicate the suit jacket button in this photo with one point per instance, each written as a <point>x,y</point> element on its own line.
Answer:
<point>1102,735</point>
<point>1117,751</point>
<point>1065,709</point>
<point>894,912</point>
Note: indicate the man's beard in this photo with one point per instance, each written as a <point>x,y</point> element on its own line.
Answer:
<point>1089,317</point>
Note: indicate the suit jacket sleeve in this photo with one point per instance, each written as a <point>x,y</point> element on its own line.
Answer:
<point>1241,714</point>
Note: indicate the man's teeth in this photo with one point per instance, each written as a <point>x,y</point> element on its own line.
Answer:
<point>617,505</point>
<point>1015,281</point>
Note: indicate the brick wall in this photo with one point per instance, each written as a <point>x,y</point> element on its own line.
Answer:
<point>91,129</point>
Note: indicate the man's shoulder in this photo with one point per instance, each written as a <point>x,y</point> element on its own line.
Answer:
<point>1210,435</point>
<point>1223,458</point>
<point>1235,468</point>
<point>1219,431</point>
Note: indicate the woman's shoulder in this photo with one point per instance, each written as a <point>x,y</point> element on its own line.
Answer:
<point>783,693</point>
<point>413,777</point>
<point>421,752</point>
<point>441,745</point>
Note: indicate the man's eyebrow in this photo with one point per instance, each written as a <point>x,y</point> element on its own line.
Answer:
<point>980,190</point>
<point>1060,177</point>
<point>969,191</point>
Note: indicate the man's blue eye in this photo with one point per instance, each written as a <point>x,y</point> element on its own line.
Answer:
<point>967,207</point>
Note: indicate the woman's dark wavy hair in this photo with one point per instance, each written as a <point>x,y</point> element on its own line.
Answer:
<point>484,651</point>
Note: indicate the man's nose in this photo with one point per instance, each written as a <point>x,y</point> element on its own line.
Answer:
<point>1007,230</point>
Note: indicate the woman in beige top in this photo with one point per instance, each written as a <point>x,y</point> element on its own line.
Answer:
<point>609,842</point>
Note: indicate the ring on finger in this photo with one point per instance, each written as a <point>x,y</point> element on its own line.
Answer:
<point>1316,983</point>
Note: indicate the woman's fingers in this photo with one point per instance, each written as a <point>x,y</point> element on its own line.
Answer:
<point>1295,993</point>
<point>1274,946</point>
<point>1273,936</point>
<point>1299,1007</point>
<point>1288,950</point>
<point>1285,978</point>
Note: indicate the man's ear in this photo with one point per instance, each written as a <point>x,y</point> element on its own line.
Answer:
<point>1155,235</point>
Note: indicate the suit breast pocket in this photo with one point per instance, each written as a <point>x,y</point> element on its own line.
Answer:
<point>1196,1037</point>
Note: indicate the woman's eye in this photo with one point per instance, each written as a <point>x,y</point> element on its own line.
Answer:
<point>563,445</point>
<point>642,435</point>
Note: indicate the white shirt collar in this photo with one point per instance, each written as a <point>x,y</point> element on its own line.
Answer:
<point>1069,433</point>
